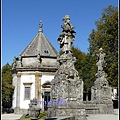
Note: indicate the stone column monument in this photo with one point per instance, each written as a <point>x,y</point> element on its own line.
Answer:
<point>101,93</point>
<point>67,87</point>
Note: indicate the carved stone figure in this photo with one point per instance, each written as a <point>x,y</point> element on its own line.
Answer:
<point>19,63</point>
<point>14,63</point>
<point>66,38</point>
<point>101,61</point>
<point>39,60</point>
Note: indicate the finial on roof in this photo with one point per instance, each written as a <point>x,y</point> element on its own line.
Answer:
<point>40,25</point>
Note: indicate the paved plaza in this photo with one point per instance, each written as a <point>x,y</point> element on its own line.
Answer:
<point>114,116</point>
<point>11,116</point>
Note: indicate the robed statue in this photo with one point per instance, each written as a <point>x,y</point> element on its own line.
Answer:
<point>66,38</point>
<point>101,62</point>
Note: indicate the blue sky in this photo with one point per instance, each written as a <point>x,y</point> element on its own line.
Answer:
<point>20,22</point>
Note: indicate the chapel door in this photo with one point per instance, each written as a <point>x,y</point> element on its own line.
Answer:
<point>46,99</point>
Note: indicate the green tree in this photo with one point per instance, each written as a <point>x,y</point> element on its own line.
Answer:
<point>79,57</point>
<point>106,36</point>
<point>85,65</point>
<point>7,87</point>
<point>88,72</point>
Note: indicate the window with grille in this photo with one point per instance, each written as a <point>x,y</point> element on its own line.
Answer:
<point>27,93</point>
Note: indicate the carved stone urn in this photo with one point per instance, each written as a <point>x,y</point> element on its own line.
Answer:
<point>34,111</point>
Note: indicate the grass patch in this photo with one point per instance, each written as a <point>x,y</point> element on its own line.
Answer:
<point>42,116</point>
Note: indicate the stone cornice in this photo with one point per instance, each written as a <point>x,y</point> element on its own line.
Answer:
<point>43,69</point>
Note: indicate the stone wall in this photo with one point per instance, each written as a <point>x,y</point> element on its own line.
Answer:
<point>97,107</point>
<point>91,107</point>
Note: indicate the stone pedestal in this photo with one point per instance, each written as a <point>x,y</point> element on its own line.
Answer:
<point>67,98</point>
<point>102,94</point>
<point>70,109</point>
<point>34,111</point>
<point>105,107</point>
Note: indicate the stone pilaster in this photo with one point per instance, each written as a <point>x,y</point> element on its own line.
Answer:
<point>37,85</point>
<point>17,109</point>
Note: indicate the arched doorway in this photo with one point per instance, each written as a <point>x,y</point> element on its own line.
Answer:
<point>46,94</point>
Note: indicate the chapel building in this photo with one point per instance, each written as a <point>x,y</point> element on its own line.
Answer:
<point>33,71</point>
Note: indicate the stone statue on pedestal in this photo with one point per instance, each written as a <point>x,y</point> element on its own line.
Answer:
<point>66,84</point>
<point>101,92</point>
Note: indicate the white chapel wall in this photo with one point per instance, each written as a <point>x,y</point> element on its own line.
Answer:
<point>46,78</point>
<point>24,104</point>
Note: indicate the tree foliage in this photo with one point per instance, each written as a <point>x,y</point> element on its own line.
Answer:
<point>86,67</point>
<point>7,87</point>
<point>106,36</point>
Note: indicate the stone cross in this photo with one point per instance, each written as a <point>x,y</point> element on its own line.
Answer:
<point>40,25</point>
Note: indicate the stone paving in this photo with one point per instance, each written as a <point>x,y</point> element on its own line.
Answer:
<point>114,116</point>
<point>103,117</point>
<point>10,116</point>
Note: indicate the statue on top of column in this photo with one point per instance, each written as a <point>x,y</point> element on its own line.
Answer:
<point>66,38</point>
